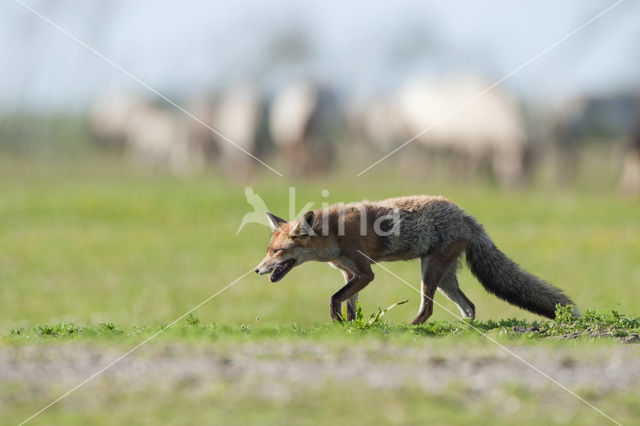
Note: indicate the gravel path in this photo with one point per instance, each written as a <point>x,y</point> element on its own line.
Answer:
<point>275,369</point>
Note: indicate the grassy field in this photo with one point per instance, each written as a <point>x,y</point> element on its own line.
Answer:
<point>90,242</point>
<point>99,244</point>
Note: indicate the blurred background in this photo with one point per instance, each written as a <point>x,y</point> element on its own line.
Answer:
<point>120,202</point>
<point>312,87</point>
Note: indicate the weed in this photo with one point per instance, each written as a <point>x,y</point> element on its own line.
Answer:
<point>192,320</point>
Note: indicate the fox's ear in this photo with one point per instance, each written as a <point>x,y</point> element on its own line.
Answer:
<point>275,221</point>
<point>304,227</point>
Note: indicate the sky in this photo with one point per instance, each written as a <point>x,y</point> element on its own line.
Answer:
<point>192,48</point>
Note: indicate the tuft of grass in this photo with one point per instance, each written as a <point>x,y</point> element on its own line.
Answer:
<point>592,323</point>
<point>63,329</point>
<point>374,318</point>
<point>192,320</point>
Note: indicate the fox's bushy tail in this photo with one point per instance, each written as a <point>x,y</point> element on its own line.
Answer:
<point>503,277</point>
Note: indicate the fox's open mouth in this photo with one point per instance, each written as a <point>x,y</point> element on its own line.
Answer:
<point>281,270</point>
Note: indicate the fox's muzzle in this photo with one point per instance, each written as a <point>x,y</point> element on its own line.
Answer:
<point>261,270</point>
<point>277,270</point>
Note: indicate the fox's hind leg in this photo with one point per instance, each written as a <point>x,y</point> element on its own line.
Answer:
<point>434,267</point>
<point>432,273</point>
<point>449,287</point>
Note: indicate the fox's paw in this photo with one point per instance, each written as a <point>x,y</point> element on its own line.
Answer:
<point>351,314</point>
<point>335,313</point>
<point>418,320</point>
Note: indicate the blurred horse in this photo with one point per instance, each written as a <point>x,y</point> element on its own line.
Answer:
<point>579,121</point>
<point>630,179</point>
<point>303,121</point>
<point>240,116</point>
<point>152,135</point>
<point>109,117</point>
<point>160,139</point>
<point>451,115</point>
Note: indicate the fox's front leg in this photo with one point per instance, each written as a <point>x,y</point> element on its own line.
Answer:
<point>348,276</point>
<point>358,281</point>
<point>351,302</point>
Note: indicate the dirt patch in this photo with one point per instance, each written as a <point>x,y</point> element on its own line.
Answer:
<point>276,369</point>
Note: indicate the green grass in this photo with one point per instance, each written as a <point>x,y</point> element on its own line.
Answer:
<point>590,324</point>
<point>92,253</point>
<point>94,242</point>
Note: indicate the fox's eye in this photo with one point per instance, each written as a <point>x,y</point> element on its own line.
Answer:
<point>276,250</point>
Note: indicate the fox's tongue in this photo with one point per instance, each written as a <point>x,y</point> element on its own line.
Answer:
<point>281,271</point>
<point>276,274</point>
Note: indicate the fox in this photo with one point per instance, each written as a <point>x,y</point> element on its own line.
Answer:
<point>352,237</point>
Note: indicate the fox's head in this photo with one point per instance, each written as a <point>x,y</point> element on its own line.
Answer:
<point>292,243</point>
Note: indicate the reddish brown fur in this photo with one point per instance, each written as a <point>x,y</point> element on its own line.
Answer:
<point>430,228</point>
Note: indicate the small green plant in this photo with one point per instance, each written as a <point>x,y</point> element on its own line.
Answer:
<point>62,329</point>
<point>45,330</point>
<point>109,328</point>
<point>192,320</point>
<point>359,314</point>
<point>375,319</point>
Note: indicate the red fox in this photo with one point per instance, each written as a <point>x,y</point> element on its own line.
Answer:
<point>351,237</point>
